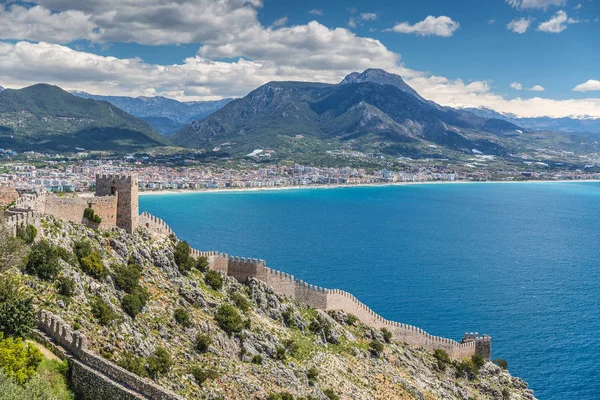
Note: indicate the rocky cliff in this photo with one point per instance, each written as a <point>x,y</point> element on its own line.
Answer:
<point>205,335</point>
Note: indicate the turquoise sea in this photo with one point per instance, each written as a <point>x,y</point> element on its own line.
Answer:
<point>520,262</point>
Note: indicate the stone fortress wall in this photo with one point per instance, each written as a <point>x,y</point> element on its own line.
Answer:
<point>329,299</point>
<point>116,202</point>
<point>93,377</point>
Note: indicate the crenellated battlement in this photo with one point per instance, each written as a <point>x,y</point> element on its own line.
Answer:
<point>330,299</point>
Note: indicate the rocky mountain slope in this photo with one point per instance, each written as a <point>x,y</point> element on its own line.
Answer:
<point>143,304</point>
<point>166,115</point>
<point>372,111</point>
<point>45,117</point>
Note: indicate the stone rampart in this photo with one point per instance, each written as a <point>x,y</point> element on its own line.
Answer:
<point>21,220</point>
<point>115,381</point>
<point>329,299</point>
<point>155,225</point>
<point>72,208</point>
<point>125,187</point>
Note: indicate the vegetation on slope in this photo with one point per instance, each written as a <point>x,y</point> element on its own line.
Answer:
<point>204,335</point>
<point>46,117</point>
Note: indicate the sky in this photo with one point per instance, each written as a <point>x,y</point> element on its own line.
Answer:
<point>527,57</point>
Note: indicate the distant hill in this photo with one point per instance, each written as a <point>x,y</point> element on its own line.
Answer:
<point>165,115</point>
<point>1,88</point>
<point>565,124</point>
<point>45,117</point>
<point>369,111</point>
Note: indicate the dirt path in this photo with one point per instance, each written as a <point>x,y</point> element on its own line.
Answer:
<point>45,352</point>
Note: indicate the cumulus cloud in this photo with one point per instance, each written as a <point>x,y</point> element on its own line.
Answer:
<point>519,25</point>
<point>151,22</point>
<point>281,21</point>
<point>543,4</point>
<point>316,11</point>
<point>557,23</point>
<point>430,26</point>
<point>537,88</point>
<point>588,86</point>
<point>516,86</point>
<point>198,78</point>
<point>368,16</point>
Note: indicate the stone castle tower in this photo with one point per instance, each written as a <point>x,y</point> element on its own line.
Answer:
<point>125,187</point>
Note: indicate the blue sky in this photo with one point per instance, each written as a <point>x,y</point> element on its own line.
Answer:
<point>465,52</point>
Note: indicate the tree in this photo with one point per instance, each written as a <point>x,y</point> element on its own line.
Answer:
<point>159,363</point>
<point>17,315</point>
<point>27,234</point>
<point>44,261</point>
<point>19,360</point>
<point>229,319</point>
<point>182,256</point>
<point>214,279</point>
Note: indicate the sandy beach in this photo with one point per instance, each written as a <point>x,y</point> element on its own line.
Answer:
<point>273,188</point>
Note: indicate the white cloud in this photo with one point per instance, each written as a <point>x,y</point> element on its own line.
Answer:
<point>368,16</point>
<point>491,21</point>
<point>537,88</point>
<point>557,23</point>
<point>590,85</point>
<point>316,11</point>
<point>352,22</point>
<point>578,6</point>
<point>516,86</point>
<point>438,26</point>
<point>198,78</point>
<point>543,4</point>
<point>151,22</point>
<point>281,21</point>
<point>519,25</point>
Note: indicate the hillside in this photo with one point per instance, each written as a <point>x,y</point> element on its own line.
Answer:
<point>373,111</point>
<point>45,117</point>
<point>166,115</point>
<point>143,304</point>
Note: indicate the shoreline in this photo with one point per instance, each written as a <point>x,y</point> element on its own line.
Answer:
<point>163,192</point>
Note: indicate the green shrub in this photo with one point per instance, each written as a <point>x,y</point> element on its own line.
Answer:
<point>387,335</point>
<point>201,375</point>
<point>288,318</point>
<point>182,256</point>
<point>202,342</point>
<point>241,302</point>
<point>133,363</point>
<point>27,234</point>
<point>466,369</point>
<point>229,319</point>
<point>44,261</point>
<point>65,286</point>
<point>501,363</point>
<point>330,394</point>
<point>257,359</point>
<point>320,325</point>
<point>442,358</point>
<point>182,317</point>
<point>202,264</point>
<point>291,346</point>
<point>17,315</point>
<point>66,255</point>
<point>127,277</point>
<point>93,265</point>
<point>159,363</point>
<point>352,319</point>
<point>102,311</point>
<point>132,305</point>
<point>376,347</point>
<point>312,375</point>
<point>280,353</point>
<point>82,249</point>
<point>478,360</point>
<point>19,360</point>
<point>91,216</point>
<point>214,279</point>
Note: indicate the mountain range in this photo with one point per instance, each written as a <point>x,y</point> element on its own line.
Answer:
<point>165,115</point>
<point>369,111</point>
<point>565,124</point>
<point>45,117</point>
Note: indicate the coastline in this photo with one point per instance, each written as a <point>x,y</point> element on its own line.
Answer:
<point>163,192</point>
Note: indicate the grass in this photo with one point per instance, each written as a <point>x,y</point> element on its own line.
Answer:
<point>55,372</point>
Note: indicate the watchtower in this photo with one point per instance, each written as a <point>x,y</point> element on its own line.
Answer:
<point>125,187</point>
